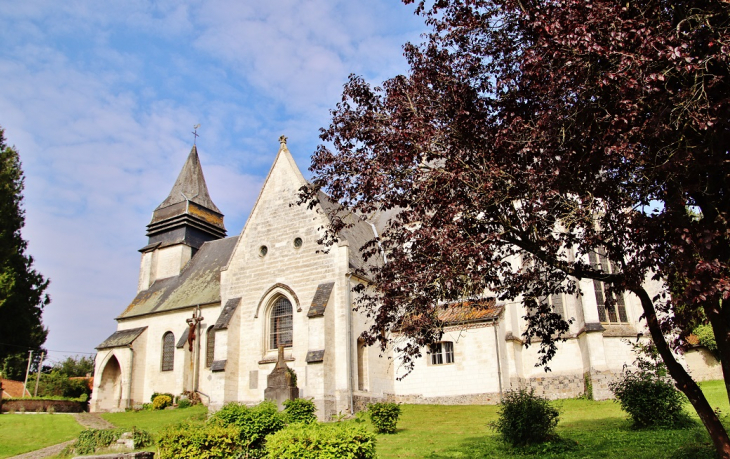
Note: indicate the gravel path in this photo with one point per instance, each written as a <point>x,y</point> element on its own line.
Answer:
<point>88,420</point>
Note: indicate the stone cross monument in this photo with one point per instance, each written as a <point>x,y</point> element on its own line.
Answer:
<point>280,386</point>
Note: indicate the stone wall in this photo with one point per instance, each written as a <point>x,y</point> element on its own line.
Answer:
<point>552,387</point>
<point>32,406</point>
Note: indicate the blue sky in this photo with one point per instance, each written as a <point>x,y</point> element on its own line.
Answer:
<point>100,98</point>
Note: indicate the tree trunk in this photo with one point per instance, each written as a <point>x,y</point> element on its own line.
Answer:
<point>716,315</point>
<point>683,380</point>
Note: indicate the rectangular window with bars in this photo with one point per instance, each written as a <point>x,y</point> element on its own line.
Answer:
<point>442,353</point>
<point>616,312</point>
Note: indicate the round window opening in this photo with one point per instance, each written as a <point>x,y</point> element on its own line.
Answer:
<point>263,250</point>
<point>297,242</point>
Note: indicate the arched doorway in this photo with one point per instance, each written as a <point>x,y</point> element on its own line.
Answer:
<point>110,387</point>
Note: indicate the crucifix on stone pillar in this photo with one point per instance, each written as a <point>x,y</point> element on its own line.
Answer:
<point>192,325</point>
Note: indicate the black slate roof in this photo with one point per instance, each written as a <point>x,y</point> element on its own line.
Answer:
<point>198,283</point>
<point>321,297</point>
<point>121,338</point>
<point>227,313</point>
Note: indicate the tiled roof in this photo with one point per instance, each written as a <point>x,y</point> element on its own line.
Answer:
<point>464,312</point>
<point>12,389</point>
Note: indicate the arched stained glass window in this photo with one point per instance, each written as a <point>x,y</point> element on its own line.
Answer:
<point>168,351</point>
<point>280,325</point>
<point>209,346</point>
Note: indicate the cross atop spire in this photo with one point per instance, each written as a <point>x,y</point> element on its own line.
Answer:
<point>282,140</point>
<point>195,133</point>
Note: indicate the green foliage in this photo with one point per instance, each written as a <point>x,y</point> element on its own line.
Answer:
<point>647,394</point>
<point>525,418</point>
<point>321,441</point>
<point>254,423</point>
<point>58,384</point>
<point>161,402</point>
<point>300,410</point>
<point>75,366</point>
<point>706,337</point>
<point>184,403</point>
<point>198,441</point>
<point>384,416</point>
<point>588,386</point>
<point>91,439</point>
<point>141,438</point>
<point>650,401</point>
<point>292,376</point>
<point>155,394</point>
<point>22,288</point>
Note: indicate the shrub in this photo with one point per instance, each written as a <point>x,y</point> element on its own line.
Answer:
<point>184,403</point>
<point>321,441</point>
<point>300,410</point>
<point>161,402</point>
<point>384,416</point>
<point>198,442</point>
<point>254,423</point>
<point>157,394</point>
<point>706,337</point>
<point>647,394</point>
<point>525,418</point>
<point>650,401</point>
<point>91,440</point>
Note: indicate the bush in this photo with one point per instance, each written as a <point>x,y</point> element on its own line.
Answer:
<point>300,410</point>
<point>649,400</point>
<point>184,403</point>
<point>198,442</point>
<point>161,402</point>
<point>91,440</point>
<point>525,418</point>
<point>384,416</point>
<point>647,394</point>
<point>706,337</point>
<point>321,441</point>
<point>253,424</point>
<point>157,394</point>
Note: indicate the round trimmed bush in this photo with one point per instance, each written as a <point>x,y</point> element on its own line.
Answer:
<point>300,410</point>
<point>650,400</point>
<point>161,402</point>
<point>321,441</point>
<point>384,416</point>
<point>525,418</point>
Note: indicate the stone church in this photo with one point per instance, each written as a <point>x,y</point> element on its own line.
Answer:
<point>211,312</point>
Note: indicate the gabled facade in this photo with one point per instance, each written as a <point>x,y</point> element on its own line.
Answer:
<point>273,285</point>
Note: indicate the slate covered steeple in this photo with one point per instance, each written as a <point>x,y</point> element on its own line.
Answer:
<point>187,216</point>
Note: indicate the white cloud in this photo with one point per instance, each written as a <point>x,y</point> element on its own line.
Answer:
<point>100,99</point>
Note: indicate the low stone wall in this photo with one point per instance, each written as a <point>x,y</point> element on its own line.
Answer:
<point>33,406</point>
<point>552,387</point>
<point>488,398</point>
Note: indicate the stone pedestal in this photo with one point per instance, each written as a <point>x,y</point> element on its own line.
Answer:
<point>280,385</point>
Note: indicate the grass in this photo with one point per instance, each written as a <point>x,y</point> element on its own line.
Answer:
<point>20,433</point>
<point>154,421</point>
<point>587,429</point>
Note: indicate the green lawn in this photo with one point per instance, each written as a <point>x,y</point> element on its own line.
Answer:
<point>589,430</point>
<point>154,421</point>
<point>20,433</point>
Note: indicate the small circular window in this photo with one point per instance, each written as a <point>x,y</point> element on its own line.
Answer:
<point>297,242</point>
<point>263,250</point>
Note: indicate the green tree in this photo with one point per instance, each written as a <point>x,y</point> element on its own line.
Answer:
<point>22,288</point>
<point>75,366</point>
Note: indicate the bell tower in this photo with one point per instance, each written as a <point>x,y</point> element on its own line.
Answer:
<point>185,220</point>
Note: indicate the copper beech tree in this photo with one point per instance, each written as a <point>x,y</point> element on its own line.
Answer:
<point>546,132</point>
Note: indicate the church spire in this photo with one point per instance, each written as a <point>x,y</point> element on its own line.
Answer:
<point>188,214</point>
